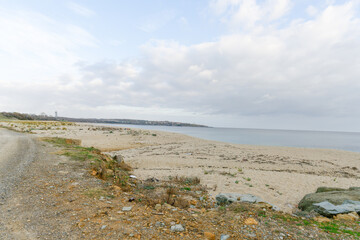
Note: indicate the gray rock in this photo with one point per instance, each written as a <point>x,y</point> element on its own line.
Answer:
<point>126,209</point>
<point>159,224</point>
<point>103,227</point>
<point>328,209</point>
<point>228,198</point>
<point>177,228</point>
<point>334,196</point>
<point>224,237</point>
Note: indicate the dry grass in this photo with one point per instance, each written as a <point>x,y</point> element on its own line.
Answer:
<point>179,192</point>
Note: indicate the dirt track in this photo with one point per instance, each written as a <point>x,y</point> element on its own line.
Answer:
<point>16,152</point>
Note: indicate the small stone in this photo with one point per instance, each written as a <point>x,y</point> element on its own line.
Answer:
<point>167,206</point>
<point>322,219</point>
<point>126,209</point>
<point>250,221</point>
<point>193,202</point>
<point>209,236</point>
<point>224,237</point>
<point>103,227</point>
<point>118,158</point>
<point>159,224</point>
<point>353,216</point>
<point>158,207</point>
<point>177,228</point>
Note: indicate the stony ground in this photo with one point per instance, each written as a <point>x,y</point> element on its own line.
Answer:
<point>60,199</point>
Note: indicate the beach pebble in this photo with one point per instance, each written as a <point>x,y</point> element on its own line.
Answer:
<point>224,237</point>
<point>177,228</point>
<point>209,236</point>
<point>126,209</point>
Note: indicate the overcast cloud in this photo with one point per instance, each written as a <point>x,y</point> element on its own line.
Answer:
<point>269,69</point>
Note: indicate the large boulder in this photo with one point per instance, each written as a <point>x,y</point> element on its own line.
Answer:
<point>331,201</point>
<point>328,209</point>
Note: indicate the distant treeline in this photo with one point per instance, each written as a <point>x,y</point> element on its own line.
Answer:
<point>43,117</point>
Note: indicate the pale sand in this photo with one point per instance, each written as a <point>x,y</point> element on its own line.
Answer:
<point>279,175</point>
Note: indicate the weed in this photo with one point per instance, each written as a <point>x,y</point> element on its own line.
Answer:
<point>228,174</point>
<point>95,192</point>
<point>186,180</point>
<point>261,213</point>
<point>208,172</point>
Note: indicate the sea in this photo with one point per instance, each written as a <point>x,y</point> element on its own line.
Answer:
<point>348,141</point>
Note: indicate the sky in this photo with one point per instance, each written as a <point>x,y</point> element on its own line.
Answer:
<point>273,64</point>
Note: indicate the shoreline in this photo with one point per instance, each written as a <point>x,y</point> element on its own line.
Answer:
<point>254,133</point>
<point>279,175</point>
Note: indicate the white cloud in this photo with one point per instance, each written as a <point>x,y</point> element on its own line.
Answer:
<point>81,10</point>
<point>303,71</point>
<point>247,13</point>
<point>35,48</point>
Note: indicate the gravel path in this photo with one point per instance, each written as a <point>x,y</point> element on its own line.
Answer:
<point>16,152</point>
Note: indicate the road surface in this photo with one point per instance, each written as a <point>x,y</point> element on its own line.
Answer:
<point>16,152</point>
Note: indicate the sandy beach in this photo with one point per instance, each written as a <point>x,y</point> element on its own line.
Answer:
<point>279,175</point>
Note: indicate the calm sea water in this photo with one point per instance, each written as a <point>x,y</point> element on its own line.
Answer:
<point>289,138</point>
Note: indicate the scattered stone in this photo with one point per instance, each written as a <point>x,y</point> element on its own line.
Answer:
<point>126,209</point>
<point>131,199</point>
<point>159,224</point>
<point>167,206</point>
<point>152,180</point>
<point>224,237</point>
<point>353,216</point>
<point>133,176</point>
<point>158,207</point>
<point>177,228</point>
<point>118,158</point>
<point>252,235</point>
<point>322,219</point>
<point>103,227</point>
<point>209,236</point>
<point>228,198</point>
<point>250,221</point>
